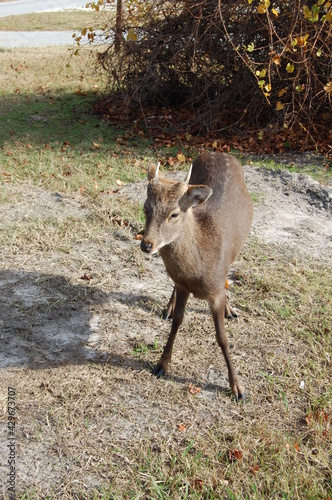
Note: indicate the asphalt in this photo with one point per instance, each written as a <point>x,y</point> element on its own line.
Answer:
<point>18,7</point>
<point>16,39</point>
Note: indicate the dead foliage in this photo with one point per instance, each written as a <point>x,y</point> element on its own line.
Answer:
<point>223,67</point>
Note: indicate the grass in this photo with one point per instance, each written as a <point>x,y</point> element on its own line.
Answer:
<point>319,170</point>
<point>105,429</point>
<point>48,131</point>
<point>51,21</point>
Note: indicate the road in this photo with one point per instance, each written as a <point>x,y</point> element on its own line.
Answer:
<point>17,7</point>
<point>15,39</point>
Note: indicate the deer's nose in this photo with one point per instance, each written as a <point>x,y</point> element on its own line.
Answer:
<point>146,246</point>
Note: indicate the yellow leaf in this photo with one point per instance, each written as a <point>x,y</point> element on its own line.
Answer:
<point>215,145</point>
<point>261,9</point>
<point>268,87</point>
<point>282,92</point>
<point>306,12</point>
<point>119,183</point>
<point>275,12</point>
<point>264,5</point>
<point>131,35</point>
<point>329,16</point>
<point>279,106</point>
<point>261,74</point>
<point>180,157</point>
<point>290,68</point>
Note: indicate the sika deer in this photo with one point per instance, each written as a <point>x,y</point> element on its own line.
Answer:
<point>199,226</point>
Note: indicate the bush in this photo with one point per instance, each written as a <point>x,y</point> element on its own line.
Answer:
<point>256,63</point>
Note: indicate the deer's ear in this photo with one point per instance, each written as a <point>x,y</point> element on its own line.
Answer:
<point>197,194</point>
<point>153,172</point>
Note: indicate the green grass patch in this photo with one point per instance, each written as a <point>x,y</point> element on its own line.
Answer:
<point>49,133</point>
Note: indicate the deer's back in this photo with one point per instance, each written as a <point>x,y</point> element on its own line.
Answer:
<point>226,217</point>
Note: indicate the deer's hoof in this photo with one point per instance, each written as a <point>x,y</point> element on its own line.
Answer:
<point>167,314</point>
<point>240,397</point>
<point>158,371</point>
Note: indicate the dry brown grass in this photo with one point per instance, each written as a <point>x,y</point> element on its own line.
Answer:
<point>92,420</point>
<point>81,328</point>
<point>50,21</point>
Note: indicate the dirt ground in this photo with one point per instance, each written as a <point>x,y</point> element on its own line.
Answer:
<point>75,311</point>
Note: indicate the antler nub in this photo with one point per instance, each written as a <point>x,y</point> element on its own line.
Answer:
<point>186,181</point>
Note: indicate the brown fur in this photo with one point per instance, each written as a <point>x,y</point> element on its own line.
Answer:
<point>199,229</point>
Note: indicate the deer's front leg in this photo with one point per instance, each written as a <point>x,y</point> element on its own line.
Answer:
<point>178,313</point>
<point>217,307</point>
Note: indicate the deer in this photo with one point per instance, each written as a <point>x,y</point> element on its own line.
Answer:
<point>199,227</point>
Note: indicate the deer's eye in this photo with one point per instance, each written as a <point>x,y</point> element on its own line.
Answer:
<point>174,215</point>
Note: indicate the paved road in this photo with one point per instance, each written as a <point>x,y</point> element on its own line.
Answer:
<point>13,39</point>
<point>26,6</point>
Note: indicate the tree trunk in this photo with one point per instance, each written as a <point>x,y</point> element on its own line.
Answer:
<point>118,25</point>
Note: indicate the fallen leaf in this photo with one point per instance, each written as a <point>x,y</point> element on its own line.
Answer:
<point>198,484</point>
<point>235,455</point>
<point>86,277</point>
<point>116,219</point>
<point>226,284</point>
<point>254,469</point>
<point>181,427</point>
<point>119,183</point>
<point>296,446</point>
<point>181,158</point>
<point>138,236</point>
<point>194,390</point>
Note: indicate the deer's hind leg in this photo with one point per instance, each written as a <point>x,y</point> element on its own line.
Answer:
<point>230,312</point>
<point>168,312</point>
<point>217,307</point>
